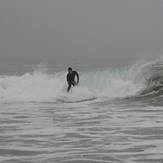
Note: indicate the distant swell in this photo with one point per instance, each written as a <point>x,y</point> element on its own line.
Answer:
<point>132,81</point>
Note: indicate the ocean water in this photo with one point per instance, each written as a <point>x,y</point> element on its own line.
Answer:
<point>114,115</point>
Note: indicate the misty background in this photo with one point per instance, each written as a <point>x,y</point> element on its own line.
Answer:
<point>81,28</point>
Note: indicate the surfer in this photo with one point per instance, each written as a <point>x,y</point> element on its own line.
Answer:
<point>71,78</point>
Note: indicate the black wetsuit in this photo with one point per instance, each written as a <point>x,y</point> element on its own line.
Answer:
<point>70,79</point>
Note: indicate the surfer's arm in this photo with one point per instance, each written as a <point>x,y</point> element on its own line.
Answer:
<point>77,77</point>
<point>68,78</point>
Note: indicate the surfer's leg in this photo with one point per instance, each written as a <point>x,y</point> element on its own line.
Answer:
<point>69,86</point>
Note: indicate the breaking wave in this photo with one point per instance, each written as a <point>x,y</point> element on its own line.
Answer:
<point>136,81</point>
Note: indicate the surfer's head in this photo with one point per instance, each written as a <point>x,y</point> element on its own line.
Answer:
<point>70,70</point>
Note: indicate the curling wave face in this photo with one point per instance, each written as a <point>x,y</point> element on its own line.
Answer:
<point>135,82</point>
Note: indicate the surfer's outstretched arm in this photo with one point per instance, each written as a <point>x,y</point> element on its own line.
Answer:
<point>77,77</point>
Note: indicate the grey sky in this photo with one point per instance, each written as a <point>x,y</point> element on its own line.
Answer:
<point>81,28</point>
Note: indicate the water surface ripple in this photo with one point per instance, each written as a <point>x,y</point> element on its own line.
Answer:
<point>80,133</point>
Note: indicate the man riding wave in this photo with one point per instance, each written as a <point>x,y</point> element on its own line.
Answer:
<point>71,78</point>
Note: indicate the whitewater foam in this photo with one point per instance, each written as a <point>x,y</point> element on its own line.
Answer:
<point>110,83</point>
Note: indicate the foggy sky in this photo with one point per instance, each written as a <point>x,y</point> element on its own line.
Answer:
<point>81,28</point>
